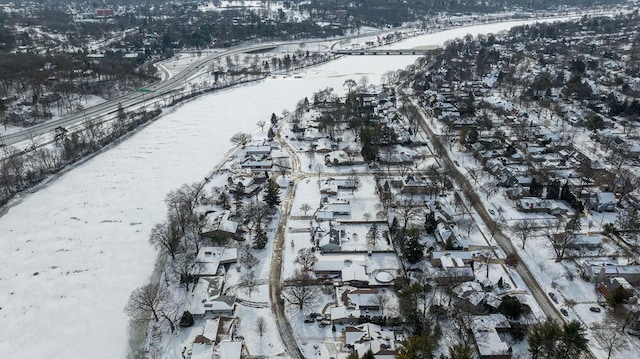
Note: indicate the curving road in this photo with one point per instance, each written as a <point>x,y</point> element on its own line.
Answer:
<point>166,86</point>
<point>275,271</point>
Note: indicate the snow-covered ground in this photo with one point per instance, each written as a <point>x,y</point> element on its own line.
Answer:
<point>73,251</point>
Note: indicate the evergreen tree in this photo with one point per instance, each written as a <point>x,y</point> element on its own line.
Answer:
<point>422,344</point>
<point>430,223</point>
<point>373,235</point>
<point>472,136</point>
<point>260,240</point>
<point>460,351</point>
<point>553,189</point>
<point>238,194</point>
<point>535,189</point>
<point>565,192</point>
<point>394,227</point>
<point>548,340</point>
<point>413,249</point>
<point>272,194</point>
<point>510,307</point>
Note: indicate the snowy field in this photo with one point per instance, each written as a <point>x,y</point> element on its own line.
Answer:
<point>73,251</point>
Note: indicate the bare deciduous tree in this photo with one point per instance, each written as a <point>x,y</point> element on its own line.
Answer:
<point>306,258</point>
<point>185,269</point>
<point>164,237</point>
<point>181,203</point>
<point>241,139</point>
<point>524,229</point>
<point>282,164</point>
<point>151,300</point>
<point>610,336</point>
<point>305,207</point>
<point>249,282</point>
<point>407,210</point>
<point>300,290</point>
<point>261,326</point>
<point>247,259</point>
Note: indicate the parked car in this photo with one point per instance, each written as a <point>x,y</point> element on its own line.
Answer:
<point>553,297</point>
<point>564,312</point>
<point>595,309</point>
<point>493,213</point>
<point>308,320</point>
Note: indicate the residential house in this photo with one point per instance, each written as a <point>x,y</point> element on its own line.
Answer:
<point>485,330</point>
<point>257,163</point>
<point>598,270</point>
<point>256,150</point>
<point>450,238</point>
<point>333,264</point>
<point>218,225</point>
<point>342,314</point>
<point>607,286</point>
<point>206,299</point>
<point>603,202</point>
<point>371,337</point>
<point>329,239</point>
<point>210,258</point>
<point>579,241</point>
<point>361,298</point>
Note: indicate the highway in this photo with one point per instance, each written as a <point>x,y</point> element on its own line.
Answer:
<point>166,86</point>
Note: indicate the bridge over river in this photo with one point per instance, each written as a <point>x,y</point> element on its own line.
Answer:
<point>378,51</point>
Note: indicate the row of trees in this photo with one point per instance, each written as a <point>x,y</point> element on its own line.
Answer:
<point>21,169</point>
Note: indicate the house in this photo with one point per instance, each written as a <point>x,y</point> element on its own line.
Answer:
<point>229,349</point>
<point>539,205</point>
<point>597,271</point>
<point>579,241</point>
<point>484,329</point>
<point>218,225</point>
<point>329,240</point>
<point>201,349</point>
<point>206,299</point>
<point>450,259</point>
<point>332,209</point>
<point>371,337</point>
<point>210,258</point>
<point>607,286</point>
<point>255,150</point>
<point>333,264</point>
<point>355,275</point>
<point>450,238</point>
<point>415,185</point>
<point>344,315</point>
<point>256,163</point>
<point>361,298</point>
<point>470,296</point>
<point>603,202</point>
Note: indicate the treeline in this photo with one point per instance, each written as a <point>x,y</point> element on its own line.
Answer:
<point>22,169</point>
<point>56,82</point>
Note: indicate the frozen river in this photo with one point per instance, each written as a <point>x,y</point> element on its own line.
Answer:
<point>73,251</point>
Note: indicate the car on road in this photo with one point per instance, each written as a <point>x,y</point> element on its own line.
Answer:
<point>595,309</point>
<point>553,297</point>
<point>564,312</point>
